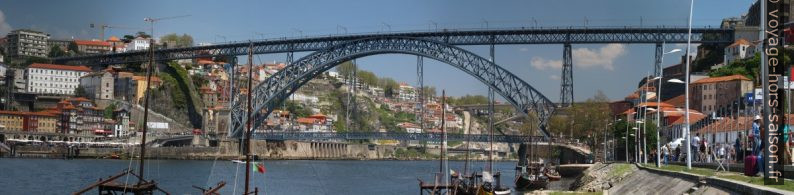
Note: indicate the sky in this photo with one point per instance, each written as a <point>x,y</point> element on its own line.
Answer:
<point>613,69</point>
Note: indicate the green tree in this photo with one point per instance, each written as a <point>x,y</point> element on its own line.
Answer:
<point>175,40</point>
<point>56,51</point>
<point>142,34</point>
<point>127,38</point>
<point>590,117</point>
<point>109,111</point>
<point>468,100</point>
<point>73,48</point>
<point>346,68</point>
<point>297,109</point>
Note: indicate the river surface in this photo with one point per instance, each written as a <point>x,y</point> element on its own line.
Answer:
<point>51,176</point>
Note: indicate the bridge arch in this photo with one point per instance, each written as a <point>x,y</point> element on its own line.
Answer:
<point>272,91</point>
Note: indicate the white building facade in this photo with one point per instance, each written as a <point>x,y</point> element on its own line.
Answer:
<point>138,44</point>
<point>54,78</point>
<point>407,92</point>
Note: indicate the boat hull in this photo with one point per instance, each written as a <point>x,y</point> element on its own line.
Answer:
<point>525,183</point>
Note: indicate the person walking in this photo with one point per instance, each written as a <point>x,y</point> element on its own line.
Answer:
<point>695,142</point>
<point>738,148</point>
<point>665,153</point>
<point>756,135</point>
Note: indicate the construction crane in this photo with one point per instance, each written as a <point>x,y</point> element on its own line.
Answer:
<point>153,20</point>
<point>102,28</point>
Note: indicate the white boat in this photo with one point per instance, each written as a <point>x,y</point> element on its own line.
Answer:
<point>238,161</point>
<point>502,192</point>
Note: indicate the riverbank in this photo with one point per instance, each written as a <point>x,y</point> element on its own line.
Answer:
<point>351,152</point>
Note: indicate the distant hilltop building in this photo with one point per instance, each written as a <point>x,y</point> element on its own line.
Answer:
<point>23,42</point>
<point>54,78</point>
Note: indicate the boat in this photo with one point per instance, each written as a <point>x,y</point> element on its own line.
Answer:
<point>442,184</point>
<point>552,173</point>
<point>529,181</point>
<point>529,175</point>
<point>238,161</point>
<point>503,192</point>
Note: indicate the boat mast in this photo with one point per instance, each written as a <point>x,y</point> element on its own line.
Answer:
<point>146,109</point>
<point>468,139</point>
<point>444,135</point>
<point>248,123</point>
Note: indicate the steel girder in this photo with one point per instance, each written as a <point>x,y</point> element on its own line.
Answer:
<point>273,90</point>
<point>453,37</point>
<point>394,136</point>
<point>657,60</point>
<point>566,81</point>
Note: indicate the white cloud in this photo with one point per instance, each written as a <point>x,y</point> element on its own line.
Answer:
<point>4,26</point>
<point>554,77</point>
<point>541,64</point>
<point>603,57</point>
<point>523,49</point>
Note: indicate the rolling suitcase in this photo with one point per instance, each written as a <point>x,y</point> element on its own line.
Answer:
<point>749,165</point>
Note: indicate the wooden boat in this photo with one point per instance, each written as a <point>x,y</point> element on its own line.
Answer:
<point>503,192</point>
<point>552,174</point>
<point>531,178</point>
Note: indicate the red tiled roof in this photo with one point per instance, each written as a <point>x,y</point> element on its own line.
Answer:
<point>653,104</point>
<point>114,39</point>
<point>692,119</point>
<point>318,116</point>
<point>307,120</point>
<point>740,42</point>
<point>92,43</point>
<point>678,101</point>
<point>721,79</point>
<point>60,67</point>
<point>80,99</point>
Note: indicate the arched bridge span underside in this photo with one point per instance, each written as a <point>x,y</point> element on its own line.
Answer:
<point>270,93</point>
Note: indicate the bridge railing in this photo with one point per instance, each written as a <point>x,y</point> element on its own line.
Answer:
<point>392,136</point>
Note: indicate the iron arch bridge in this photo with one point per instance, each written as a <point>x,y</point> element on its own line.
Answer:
<point>268,94</point>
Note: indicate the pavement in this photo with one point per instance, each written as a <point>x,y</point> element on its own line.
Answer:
<point>644,182</point>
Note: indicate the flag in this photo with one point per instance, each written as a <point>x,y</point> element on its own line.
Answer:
<point>259,167</point>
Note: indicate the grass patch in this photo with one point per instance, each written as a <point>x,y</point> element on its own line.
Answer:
<point>577,193</point>
<point>725,175</point>
<point>679,168</point>
<point>619,170</point>
<point>756,181</point>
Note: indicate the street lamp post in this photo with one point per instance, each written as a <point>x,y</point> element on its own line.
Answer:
<point>659,111</point>
<point>686,87</point>
<point>626,149</point>
<point>605,140</point>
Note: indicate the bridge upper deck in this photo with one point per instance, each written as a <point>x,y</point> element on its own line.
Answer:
<point>454,37</point>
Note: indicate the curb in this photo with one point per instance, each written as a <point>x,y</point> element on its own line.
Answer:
<point>735,186</point>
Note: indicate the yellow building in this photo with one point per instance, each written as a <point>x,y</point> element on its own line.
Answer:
<point>140,89</point>
<point>45,122</point>
<point>11,121</point>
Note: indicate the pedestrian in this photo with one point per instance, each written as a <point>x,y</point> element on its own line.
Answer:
<point>721,152</point>
<point>666,152</point>
<point>678,153</point>
<point>738,147</point>
<point>756,136</point>
<point>695,142</point>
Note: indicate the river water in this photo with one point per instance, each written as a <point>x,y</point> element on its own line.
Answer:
<point>50,176</point>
